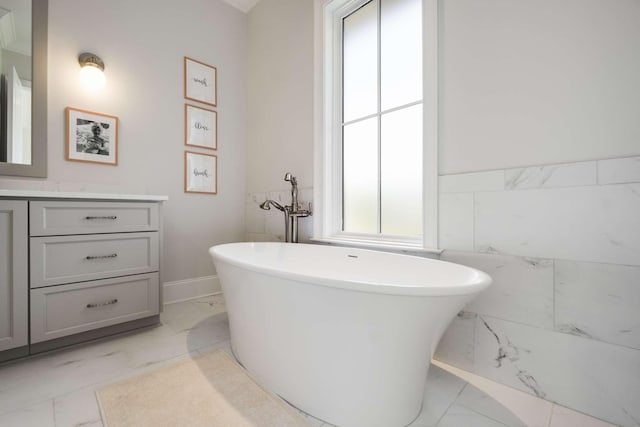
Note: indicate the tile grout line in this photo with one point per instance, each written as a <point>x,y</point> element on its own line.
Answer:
<point>553,405</point>
<point>553,299</point>
<point>487,416</point>
<point>38,402</point>
<point>53,414</point>
<point>510,388</point>
<point>451,404</point>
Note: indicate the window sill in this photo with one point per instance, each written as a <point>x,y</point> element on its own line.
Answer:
<point>404,247</point>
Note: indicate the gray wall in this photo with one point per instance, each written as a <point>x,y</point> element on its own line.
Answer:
<point>280,85</point>
<point>537,82</point>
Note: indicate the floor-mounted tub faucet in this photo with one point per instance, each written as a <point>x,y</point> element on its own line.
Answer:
<point>291,212</point>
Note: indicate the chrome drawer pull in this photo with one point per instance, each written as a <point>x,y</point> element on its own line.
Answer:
<point>112,217</point>
<point>90,257</point>
<point>102,304</point>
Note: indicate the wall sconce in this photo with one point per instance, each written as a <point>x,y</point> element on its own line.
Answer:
<point>91,73</point>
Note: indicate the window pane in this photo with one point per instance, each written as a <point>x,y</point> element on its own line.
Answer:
<point>401,172</point>
<point>360,177</point>
<point>360,62</point>
<point>401,52</point>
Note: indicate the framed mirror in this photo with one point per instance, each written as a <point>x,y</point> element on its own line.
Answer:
<point>23,87</point>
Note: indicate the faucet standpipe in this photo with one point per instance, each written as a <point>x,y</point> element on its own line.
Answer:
<point>291,212</point>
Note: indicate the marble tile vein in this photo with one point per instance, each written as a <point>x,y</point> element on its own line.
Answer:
<point>598,301</point>
<point>590,223</point>
<point>522,289</point>
<point>584,374</point>
<point>506,350</point>
<point>572,329</point>
<point>561,175</point>
<point>631,417</point>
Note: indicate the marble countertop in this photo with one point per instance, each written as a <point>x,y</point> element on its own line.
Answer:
<point>33,194</point>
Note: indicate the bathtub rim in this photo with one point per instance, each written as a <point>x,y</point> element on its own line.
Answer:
<point>482,280</point>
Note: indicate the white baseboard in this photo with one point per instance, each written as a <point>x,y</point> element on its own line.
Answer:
<point>183,290</point>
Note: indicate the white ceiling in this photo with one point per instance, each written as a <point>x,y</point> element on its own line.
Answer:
<point>243,5</point>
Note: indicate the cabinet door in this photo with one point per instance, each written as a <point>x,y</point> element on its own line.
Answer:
<point>13,274</point>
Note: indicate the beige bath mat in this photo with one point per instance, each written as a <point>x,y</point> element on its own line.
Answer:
<point>210,390</point>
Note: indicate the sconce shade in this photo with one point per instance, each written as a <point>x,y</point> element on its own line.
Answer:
<point>91,60</point>
<point>92,69</point>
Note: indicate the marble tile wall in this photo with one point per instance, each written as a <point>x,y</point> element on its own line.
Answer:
<point>562,243</point>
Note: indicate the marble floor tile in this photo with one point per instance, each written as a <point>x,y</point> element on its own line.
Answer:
<point>534,412</point>
<point>33,380</point>
<point>459,416</point>
<point>40,415</point>
<point>181,317</point>
<point>441,390</point>
<point>310,419</point>
<point>565,417</point>
<point>28,381</point>
<point>223,345</point>
<point>78,408</point>
<point>482,403</point>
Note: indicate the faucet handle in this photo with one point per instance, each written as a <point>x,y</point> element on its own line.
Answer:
<point>305,212</point>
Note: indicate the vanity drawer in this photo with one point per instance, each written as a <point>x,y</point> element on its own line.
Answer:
<point>66,259</point>
<point>52,218</point>
<point>64,310</point>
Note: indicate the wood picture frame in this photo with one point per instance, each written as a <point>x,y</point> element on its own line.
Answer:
<point>91,137</point>
<point>200,173</point>
<point>200,127</point>
<point>200,82</point>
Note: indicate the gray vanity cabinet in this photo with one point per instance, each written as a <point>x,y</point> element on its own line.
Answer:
<point>92,265</point>
<point>76,267</point>
<point>14,287</point>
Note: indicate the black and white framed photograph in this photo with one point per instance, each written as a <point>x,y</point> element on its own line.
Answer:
<point>200,127</point>
<point>200,173</point>
<point>92,137</point>
<point>200,82</point>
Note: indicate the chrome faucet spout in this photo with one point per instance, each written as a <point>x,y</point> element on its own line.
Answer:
<point>266,205</point>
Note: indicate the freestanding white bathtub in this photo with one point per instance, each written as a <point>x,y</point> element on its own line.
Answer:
<point>343,334</point>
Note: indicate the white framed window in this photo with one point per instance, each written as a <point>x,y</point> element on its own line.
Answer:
<point>375,181</point>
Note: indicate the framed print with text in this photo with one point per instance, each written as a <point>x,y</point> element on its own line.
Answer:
<point>200,127</point>
<point>200,173</point>
<point>200,82</point>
